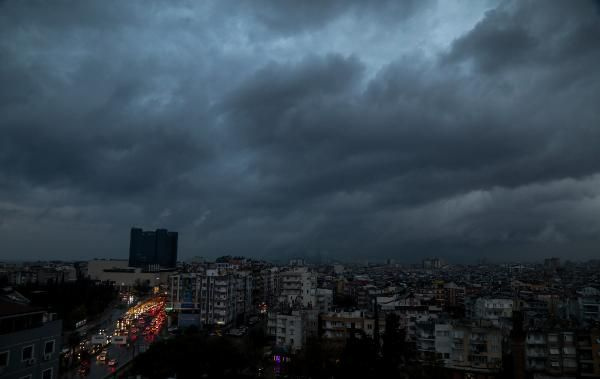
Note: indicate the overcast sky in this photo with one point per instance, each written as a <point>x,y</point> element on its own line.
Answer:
<point>345,129</point>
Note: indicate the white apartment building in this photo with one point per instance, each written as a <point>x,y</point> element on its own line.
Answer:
<point>288,330</point>
<point>298,286</point>
<point>443,342</point>
<point>118,272</point>
<point>462,347</point>
<point>492,309</point>
<point>212,297</point>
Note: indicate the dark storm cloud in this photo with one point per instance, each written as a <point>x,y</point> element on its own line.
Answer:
<point>531,34</point>
<point>273,129</point>
<point>291,16</point>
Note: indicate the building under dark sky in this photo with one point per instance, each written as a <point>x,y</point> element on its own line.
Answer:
<point>149,249</point>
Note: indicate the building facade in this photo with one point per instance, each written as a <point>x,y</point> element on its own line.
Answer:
<point>30,343</point>
<point>341,325</point>
<point>288,330</point>
<point>298,287</point>
<point>212,297</point>
<point>151,250</point>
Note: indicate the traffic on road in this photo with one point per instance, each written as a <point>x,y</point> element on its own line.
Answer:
<point>130,333</point>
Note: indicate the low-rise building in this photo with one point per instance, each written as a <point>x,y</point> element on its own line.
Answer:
<point>30,342</point>
<point>117,271</point>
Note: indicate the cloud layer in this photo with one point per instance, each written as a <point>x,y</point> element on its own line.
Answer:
<point>274,129</point>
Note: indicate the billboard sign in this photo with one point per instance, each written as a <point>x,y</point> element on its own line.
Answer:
<point>99,339</point>
<point>119,340</point>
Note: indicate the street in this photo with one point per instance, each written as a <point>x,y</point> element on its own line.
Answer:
<point>125,333</point>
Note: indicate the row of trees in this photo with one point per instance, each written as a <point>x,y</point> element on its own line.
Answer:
<point>195,354</point>
<point>72,301</point>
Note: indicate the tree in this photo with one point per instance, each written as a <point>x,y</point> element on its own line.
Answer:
<point>393,349</point>
<point>359,357</point>
<point>141,287</point>
<point>316,360</point>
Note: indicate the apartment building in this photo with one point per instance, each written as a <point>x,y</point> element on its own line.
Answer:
<point>588,353</point>
<point>211,297</point>
<point>454,295</point>
<point>341,325</point>
<point>492,309</point>
<point>466,348</point>
<point>588,302</point>
<point>324,299</point>
<point>288,330</point>
<point>443,342</point>
<point>425,340</point>
<point>551,351</point>
<point>298,287</point>
<point>271,285</point>
<point>30,342</point>
<point>476,348</point>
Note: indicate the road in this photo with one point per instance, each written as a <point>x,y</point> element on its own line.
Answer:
<point>124,353</point>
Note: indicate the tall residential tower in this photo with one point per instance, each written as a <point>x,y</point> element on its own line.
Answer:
<point>153,250</point>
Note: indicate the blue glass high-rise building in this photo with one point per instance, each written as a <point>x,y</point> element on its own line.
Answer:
<point>151,249</point>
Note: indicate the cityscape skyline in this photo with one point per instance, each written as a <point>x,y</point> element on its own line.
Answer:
<point>434,320</point>
<point>300,189</point>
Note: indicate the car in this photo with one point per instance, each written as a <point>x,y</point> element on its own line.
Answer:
<point>101,357</point>
<point>84,371</point>
<point>112,362</point>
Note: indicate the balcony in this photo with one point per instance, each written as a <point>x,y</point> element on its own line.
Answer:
<point>536,365</point>
<point>478,337</point>
<point>536,340</point>
<point>459,347</point>
<point>425,348</point>
<point>533,353</point>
